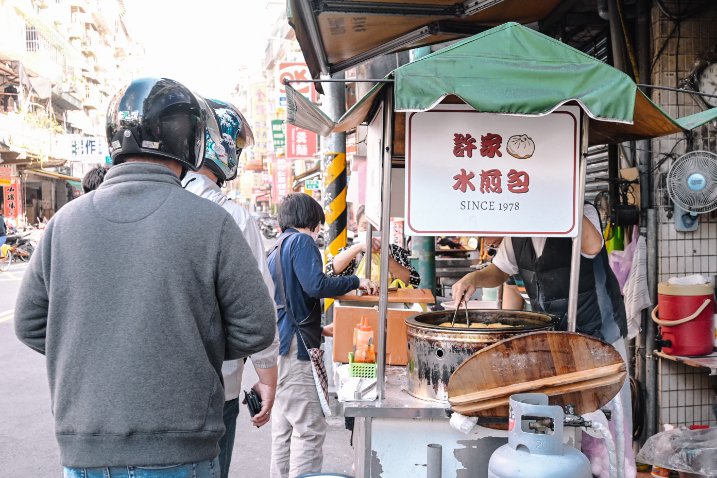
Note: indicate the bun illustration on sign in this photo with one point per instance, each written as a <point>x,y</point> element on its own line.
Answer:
<point>520,146</point>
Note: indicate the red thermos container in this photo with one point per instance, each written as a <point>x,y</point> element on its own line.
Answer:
<point>685,316</point>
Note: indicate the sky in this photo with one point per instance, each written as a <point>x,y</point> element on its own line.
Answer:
<point>201,44</point>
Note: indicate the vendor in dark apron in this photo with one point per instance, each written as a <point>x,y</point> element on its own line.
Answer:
<point>544,265</point>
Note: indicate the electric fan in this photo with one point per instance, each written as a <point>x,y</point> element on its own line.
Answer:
<point>692,186</point>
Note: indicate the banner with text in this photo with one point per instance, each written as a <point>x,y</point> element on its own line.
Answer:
<point>281,179</point>
<point>12,200</point>
<point>300,144</point>
<point>471,173</point>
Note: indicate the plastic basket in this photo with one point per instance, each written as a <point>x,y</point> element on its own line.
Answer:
<point>361,370</point>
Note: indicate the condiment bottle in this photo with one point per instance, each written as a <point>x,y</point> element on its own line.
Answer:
<point>363,342</point>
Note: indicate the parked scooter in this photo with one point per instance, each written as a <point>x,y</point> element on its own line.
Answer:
<point>23,245</point>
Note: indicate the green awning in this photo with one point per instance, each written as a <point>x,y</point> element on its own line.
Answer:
<point>512,69</point>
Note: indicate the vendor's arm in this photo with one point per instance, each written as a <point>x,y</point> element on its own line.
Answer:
<point>400,266</point>
<point>491,276</point>
<point>344,263</point>
<point>591,238</point>
<point>512,300</point>
<point>309,270</point>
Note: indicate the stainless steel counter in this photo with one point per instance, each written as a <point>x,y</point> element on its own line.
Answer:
<point>397,404</point>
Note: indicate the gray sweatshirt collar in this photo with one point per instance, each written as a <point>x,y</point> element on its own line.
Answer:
<point>139,172</point>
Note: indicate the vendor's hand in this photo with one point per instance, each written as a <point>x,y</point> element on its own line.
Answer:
<point>328,330</point>
<point>267,394</point>
<point>463,289</point>
<point>369,286</point>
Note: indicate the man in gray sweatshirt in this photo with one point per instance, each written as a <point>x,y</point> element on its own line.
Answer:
<point>136,294</point>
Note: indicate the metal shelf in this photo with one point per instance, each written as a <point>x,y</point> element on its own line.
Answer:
<point>708,361</point>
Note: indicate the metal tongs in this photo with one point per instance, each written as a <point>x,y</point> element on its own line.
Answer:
<point>458,306</point>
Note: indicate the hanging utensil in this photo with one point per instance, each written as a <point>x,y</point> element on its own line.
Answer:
<point>458,307</point>
<point>468,322</point>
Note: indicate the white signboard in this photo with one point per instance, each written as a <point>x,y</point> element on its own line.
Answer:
<point>88,150</point>
<point>471,173</point>
<point>294,71</point>
<point>374,164</point>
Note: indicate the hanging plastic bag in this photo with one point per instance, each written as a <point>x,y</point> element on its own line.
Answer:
<point>621,261</point>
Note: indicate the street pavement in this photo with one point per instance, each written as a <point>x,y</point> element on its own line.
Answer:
<point>27,442</point>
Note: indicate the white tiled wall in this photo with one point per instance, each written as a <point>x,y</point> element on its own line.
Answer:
<point>686,394</point>
<point>692,252</point>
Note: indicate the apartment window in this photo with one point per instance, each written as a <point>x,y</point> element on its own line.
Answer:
<point>32,38</point>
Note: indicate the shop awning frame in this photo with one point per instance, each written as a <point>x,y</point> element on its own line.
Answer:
<point>419,37</point>
<point>53,175</point>
<point>400,25</point>
<point>512,70</point>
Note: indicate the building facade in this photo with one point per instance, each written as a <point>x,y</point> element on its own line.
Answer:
<point>60,62</point>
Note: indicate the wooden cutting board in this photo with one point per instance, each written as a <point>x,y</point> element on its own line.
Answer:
<point>571,368</point>
<point>395,296</point>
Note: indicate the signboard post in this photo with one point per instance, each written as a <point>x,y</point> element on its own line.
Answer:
<point>496,175</point>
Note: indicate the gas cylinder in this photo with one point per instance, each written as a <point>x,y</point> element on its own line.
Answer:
<point>535,446</point>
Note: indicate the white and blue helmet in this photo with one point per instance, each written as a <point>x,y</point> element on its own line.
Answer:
<point>227,134</point>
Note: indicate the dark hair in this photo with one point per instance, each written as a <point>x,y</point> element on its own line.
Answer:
<point>299,210</point>
<point>93,178</point>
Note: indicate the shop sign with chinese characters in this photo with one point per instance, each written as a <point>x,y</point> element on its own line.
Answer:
<point>12,200</point>
<point>277,134</point>
<point>471,173</point>
<point>300,143</point>
<point>282,178</point>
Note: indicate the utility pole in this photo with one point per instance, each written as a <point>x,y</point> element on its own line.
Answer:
<point>334,167</point>
<point>424,246</point>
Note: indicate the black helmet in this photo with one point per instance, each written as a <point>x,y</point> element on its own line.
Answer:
<point>158,117</point>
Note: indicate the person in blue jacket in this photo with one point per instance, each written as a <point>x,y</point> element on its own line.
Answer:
<point>298,425</point>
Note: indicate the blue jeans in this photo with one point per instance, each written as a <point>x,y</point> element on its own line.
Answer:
<point>203,469</point>
<point>226,442</point>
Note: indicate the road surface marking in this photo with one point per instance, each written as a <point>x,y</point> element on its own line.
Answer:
<point>7,315</point>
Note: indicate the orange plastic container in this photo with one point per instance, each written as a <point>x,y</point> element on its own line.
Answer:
<point>363,347</point>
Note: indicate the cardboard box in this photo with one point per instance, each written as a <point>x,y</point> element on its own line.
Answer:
<point>346,318</point>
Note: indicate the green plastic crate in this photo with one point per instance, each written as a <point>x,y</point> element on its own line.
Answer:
<point>361,370</point>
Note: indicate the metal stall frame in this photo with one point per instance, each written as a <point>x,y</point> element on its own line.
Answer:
<point>387,153</point>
